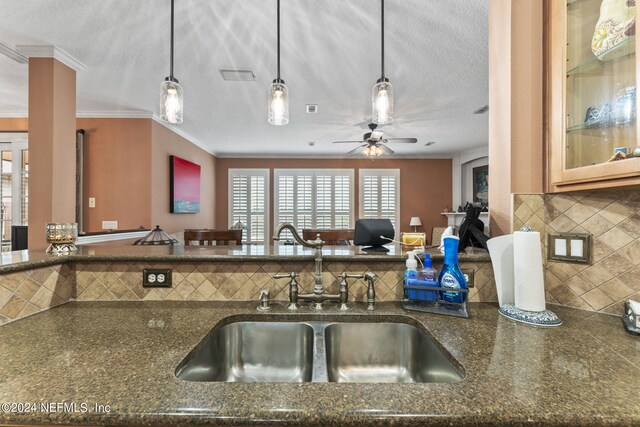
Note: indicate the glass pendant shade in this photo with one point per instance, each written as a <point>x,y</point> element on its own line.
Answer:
<point>278,104</point>
<point>171,101</point>
<point>382,103</point>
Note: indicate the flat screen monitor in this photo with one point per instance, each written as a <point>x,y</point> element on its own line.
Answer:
<point>369,231</point>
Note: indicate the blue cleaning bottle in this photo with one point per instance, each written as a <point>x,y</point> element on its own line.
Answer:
<point>451,276</point>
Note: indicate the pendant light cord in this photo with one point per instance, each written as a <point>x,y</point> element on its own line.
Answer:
<point>171,51</point>
<point>382,33</point>
<point>278,40</point>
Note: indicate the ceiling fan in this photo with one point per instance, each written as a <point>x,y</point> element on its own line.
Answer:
<point>374,144</point>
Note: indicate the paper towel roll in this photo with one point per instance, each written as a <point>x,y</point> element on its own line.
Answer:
<point>527,271</point>
<point>501,251</point>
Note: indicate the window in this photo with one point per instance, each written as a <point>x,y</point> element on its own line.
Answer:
<point>249,202</point>
<point>14,173</point>
<point>314,198</point>
<point>380,194</point>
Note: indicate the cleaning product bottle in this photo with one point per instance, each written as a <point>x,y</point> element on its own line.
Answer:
<point>451,276</point>
<point>429,275</point>
<point>412,267</point>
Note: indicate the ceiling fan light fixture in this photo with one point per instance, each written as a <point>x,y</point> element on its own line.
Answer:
<point>171,94</point>
<point>382,93</point>
<point>278,99</point>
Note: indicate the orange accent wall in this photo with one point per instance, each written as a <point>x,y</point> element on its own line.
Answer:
<point>117,172</point>
<point>14,125</point>
<point>166,143</point>
<point>425,185</point>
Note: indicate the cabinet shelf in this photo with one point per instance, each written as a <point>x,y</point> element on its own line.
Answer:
<point>597,127</point>
<point>593,65</point>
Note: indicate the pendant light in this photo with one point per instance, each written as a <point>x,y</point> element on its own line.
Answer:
<point>171,102</point>
<point>382,94</point>
<point>278,92</point>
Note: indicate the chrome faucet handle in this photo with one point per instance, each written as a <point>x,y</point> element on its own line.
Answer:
<point>293,288</point>
<point>265,303</point>
<point>371,279</point>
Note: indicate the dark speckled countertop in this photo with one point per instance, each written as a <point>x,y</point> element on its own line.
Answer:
<point>124,354</point>
<point>24,260</point>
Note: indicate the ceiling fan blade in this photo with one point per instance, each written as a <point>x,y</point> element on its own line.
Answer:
<point>347,142</point>
<point>357,149</point>
<point>386,149</point>
<point>402,140</point>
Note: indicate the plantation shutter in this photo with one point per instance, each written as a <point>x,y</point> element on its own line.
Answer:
<point>248,202</point>
<point>380,194</point>
<point>314,198</point>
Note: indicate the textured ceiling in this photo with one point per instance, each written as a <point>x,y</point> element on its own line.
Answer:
<point>436,59</point>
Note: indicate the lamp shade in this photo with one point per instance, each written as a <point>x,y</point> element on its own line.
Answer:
<point>415,222</point>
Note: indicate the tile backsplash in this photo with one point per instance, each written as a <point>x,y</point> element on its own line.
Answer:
<point>612,217</point>
<point>31,291</point>
<point>226,281</point>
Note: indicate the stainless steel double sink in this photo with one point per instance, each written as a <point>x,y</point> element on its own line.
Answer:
<point>320,352</point>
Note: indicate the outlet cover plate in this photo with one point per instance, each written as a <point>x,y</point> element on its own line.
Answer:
<point>469,277</point>
<point>156,278</point>
<point>109,225</point>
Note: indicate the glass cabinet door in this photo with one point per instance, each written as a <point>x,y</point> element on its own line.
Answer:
<point>600,82</point>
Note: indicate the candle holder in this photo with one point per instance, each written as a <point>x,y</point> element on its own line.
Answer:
<point>61,238</point>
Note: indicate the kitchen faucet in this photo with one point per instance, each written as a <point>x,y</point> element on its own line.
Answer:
<point>317,244</point>
<point>319,296</point>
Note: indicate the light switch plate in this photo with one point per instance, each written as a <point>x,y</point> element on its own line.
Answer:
<point>92,202</point>
<point>109,225</point>
<point>570,247</point>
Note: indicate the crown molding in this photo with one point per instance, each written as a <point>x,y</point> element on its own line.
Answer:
<point>13,54</point>
<point>331,156</point>
<point>124,114</point>
<point>183,134</point>
<point>48,51</point>
<point>14,115</point>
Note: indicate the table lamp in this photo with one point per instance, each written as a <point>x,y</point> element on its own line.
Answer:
<point>415,222</point>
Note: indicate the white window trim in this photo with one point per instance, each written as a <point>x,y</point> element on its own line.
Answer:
<point>277,173</point>
<point>362,173</point>
<point>267,209</point>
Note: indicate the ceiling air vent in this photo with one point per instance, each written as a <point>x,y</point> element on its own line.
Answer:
<point>430,143</point>
<point>482,110</point>
<point>312,108</point>
<point>238,75</point>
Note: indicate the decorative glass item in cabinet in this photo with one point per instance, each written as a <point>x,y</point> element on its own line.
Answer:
<point>601,82</point>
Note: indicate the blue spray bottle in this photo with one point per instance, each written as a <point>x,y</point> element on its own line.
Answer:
<point>451,276</point>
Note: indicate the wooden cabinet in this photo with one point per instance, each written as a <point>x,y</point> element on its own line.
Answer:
<point>591,78</point>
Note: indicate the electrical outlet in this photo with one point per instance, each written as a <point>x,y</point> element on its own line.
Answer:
<point>109,225</point>
<point>469,276</point>
<point>156,278</point>
<point>92,202</point>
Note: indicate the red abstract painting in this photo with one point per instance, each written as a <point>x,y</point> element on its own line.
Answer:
<point>185,186</point>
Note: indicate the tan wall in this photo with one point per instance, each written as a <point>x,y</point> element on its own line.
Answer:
<point>166,143</point>
<point>425,185</point>
<point>117,172</point>
<point>52,109</point>
<point>516,114</point>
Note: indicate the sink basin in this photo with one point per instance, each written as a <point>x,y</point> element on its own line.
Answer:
<point>253,352</point>
<point>319,352</point>
<point>385,353</point>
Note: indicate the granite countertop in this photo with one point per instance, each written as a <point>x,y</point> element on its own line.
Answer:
<point>124,355</point>
<point>21,260</point>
